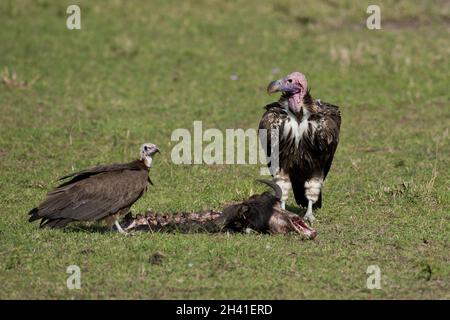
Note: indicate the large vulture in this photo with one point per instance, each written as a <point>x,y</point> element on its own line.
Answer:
<point>308,135</point>
<point>103,192</point>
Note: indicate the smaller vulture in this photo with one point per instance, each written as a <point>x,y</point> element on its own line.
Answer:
<point>104,192</point>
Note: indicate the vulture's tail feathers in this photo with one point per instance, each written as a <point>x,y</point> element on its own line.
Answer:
<point>274,186</point>
<point>55,223</point>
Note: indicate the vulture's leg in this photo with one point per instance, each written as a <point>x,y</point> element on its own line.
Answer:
<point>312,193</point>
<point>113,220</point>
<point>281,178</point>
<point>309,213</point>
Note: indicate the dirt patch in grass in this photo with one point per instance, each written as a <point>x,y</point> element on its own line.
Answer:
<point>11,80</point>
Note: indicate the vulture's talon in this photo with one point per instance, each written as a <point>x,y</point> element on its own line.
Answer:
<point>310,218</point>
<point>249,231</point>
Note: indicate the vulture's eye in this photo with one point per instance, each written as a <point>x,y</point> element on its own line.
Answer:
<point>145,148</point>
<point>290,80</point>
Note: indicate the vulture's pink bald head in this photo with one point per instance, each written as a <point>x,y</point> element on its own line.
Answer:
<point>294,83</point>
<point>294,87</point>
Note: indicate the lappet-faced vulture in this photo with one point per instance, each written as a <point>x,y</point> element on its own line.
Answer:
<point>102,192</point>
<point>308,135</point>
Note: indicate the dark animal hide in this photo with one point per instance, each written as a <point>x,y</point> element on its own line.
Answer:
<point>261,213</point>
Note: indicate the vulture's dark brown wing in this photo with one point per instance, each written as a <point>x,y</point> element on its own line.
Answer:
<point>318,150</point>
<point>272,120</point>
<point>330,135</point>
<point>94,197</point>
<point>77,176</point>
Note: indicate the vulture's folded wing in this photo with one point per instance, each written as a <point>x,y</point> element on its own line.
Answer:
<point>95,197</point>
<point>328,137</point>
<point>271,122</point>
<point>80,175</point>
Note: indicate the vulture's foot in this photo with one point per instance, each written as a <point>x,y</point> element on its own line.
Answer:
<point>309,217</point>
<point>249,230</point>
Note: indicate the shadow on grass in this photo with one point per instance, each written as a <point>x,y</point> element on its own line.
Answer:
<point>88,229</point>
<point>296,210</point>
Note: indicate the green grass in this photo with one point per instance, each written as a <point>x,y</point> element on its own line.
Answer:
<point>135,72</point>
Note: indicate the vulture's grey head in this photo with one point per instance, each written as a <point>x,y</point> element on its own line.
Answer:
<point>293,87</point>
<point>147,152</point>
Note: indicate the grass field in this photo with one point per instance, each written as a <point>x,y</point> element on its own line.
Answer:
<point>138,70</point>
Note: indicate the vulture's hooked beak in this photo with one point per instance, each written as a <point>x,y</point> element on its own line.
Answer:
<point>274,86</point>
<point>154,150</point>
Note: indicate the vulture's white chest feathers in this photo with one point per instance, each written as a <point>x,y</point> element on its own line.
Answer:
<point>298,128</point>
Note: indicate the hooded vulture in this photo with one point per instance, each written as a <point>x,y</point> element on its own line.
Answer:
<point>308,135</point>
<point>102,192</point>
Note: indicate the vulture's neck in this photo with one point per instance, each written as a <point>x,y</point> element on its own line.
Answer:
<point>140,164</point>
<point>298,122</point>
<point>148,162</point>
<point>299,106</point>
